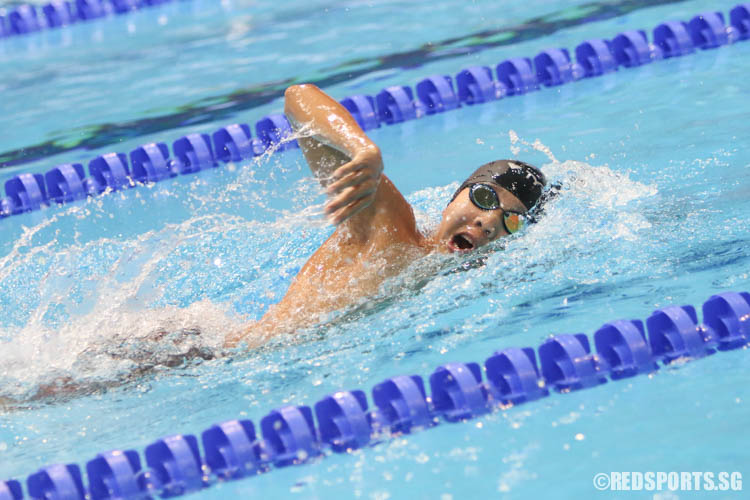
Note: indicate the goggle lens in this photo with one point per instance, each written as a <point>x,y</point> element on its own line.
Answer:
<point>484,197</point>
<point>513,221</point>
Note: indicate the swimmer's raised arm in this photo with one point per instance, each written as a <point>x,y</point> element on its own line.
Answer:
<point>345,161</point>
<point>375,223</point>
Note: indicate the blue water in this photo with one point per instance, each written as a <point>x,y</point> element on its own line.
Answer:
<point>654,211</point>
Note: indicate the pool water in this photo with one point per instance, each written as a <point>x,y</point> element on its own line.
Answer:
<point>654,211</point>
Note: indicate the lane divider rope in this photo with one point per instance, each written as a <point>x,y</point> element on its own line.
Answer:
<point>27,18</point>
<point>192,153</point>
<point>343,421</point>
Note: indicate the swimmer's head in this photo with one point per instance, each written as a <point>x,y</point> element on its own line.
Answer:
<point>493,201</point>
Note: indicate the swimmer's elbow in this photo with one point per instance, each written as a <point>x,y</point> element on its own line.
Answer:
<point>298,94</point>
<point>295,91</point>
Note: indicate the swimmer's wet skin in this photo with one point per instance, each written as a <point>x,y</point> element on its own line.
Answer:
<point>376,234</point>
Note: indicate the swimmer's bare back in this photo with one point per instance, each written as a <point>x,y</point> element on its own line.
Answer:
<point>376,234</point>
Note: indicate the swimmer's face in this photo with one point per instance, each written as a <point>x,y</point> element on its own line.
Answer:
<point>466,227</point>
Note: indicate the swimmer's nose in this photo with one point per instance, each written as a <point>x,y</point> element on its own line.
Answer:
<point>486,228</point>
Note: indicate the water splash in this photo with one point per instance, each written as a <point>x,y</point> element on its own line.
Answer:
<point>103,290</point>
<point>537,145</point>
<point>88,303</point>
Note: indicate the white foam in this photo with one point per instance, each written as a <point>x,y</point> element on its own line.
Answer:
<point>91,314</point>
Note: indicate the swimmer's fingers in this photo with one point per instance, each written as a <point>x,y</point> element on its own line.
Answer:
<point>348,211</point>
<point>373,168</point>
<point>350,195</point>
<point>366,160</point>
<point>352,179</point>
<point>350,201</point>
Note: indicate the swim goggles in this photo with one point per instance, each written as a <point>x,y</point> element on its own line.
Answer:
<point>484,197</point>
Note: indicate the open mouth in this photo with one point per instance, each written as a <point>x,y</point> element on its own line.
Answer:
<point>461,242</point>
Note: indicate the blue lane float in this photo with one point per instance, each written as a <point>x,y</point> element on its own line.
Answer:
<point>739,18</point>
<point>517,76</point>
<point>708,30</point>
<point>673,39</point>
<point>342,422</point>
<point>24,19</point>
<point>674,333</point>
<point>623,345</point>
<point>58,14</point>
<point>457,391</point>
<point>631,48</point>
<point>274,132</point>
<point>402,404</point>
<point>176,464</point>
<point>396,104</point>
<point>596,57</point>
<point>193,153</point>
<point>554,67</point>
<point>290,436</point>
<point>569,365</point>
<point>56,481</point>
<point>26,192</point>
<point>115,474</point>
<point>437,94</point>
<point>475,86</point>
<point>362,108</point>
<point>110,171</point>
<point>28,18</point>
<point>727,317</point>
<point>92,9</point>
<point>10,490</point>
<point>125,6</point>
<point>513,376</point>
<point>235,143</point>
<point>150,163</point>
<point>67,183</point>
<point>232,450</point>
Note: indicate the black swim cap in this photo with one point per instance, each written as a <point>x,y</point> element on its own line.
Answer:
<point>525,181</point>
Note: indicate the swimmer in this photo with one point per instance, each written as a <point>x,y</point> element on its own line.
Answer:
<point>376,234</point>
<point>376,237</point>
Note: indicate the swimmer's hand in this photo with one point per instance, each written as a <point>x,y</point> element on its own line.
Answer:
<point>354,184</point>
<point>342,157</point>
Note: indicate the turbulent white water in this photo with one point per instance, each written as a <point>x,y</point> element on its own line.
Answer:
<point>83,303</point>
